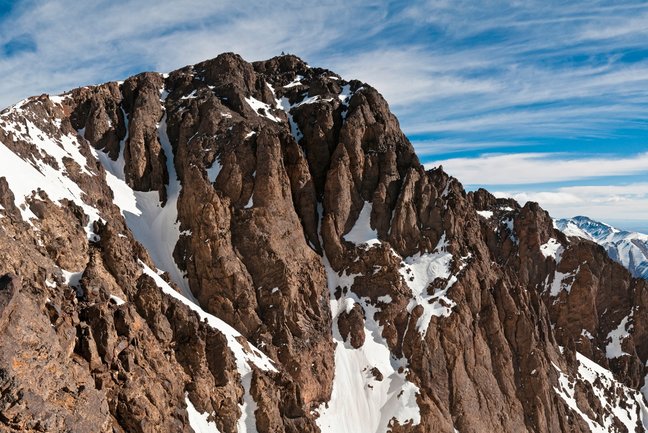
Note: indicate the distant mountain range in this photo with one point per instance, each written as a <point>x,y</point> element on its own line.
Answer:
<point>628,248</point>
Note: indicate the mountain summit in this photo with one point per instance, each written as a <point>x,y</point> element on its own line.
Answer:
<point>243,247</point>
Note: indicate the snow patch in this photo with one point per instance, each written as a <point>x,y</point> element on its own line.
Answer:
<point>552,248</point>
<point>262,109</point>
<point>345,94</point>
<point>616,337</point>
<point>562,281</point>
<point>296,82</point>
<point>485,214</point>
<point>72,279</point>
<point>117,300</point>
<point>509,226</point>
<point>58,148</point>
<point>192,95</point>
<point>361,233</point>
<point>419,272</point>
<point>585,333</point>
<point>619,403</point>
<point>214,170</point>
<point>124,196</point>
<point>199,422</point>
<point>26,176</point>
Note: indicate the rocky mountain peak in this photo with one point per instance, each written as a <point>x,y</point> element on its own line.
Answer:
<point>256,247</point>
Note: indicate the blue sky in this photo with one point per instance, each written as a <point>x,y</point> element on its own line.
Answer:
<point>539,100</point>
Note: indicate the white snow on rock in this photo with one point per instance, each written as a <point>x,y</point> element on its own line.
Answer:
<point>616,337</point>
<point>419,272</point>
<point>26,176</point>
<point>72,279</point>
<point>627,248</point>
<point>157,226</point>
<point>509,226</point>
<point>561,282</point>
<point>345,94</point>
<point>344,97</point>
<point>361,233</point>
<point>552,248</point>
<point>284,104</point>
<point>262,109</point>
<point>245,356</point>
<point>485,214</point>
<point>359,402</point>
<point>124,196</point>
<point>117,300</point>
<point>58,148</point>
<point>570,229</point>
<point>619,403</point>
<point>199,422</point>
<point>295,82</point>
<point>59,99</point>
<point>192,95</point>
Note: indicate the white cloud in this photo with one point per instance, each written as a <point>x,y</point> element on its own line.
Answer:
<point>617,28</point>
<point>535,168</point>
<point>412,75</point>
<point>602,202</point>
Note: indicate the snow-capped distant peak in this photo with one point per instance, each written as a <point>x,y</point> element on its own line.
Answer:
<point>627,248</point>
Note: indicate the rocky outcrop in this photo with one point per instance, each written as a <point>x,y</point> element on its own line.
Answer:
<point>311,274</point>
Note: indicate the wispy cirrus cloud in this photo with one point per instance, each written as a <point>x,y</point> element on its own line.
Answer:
<point>464,77</point>
<point>536,168</point>
<point>73,43</point>
<point>626,205</point>
<point>500,68</point>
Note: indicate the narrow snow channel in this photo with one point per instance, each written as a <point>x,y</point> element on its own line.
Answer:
<point>244,358</point>
<point>153,225</point>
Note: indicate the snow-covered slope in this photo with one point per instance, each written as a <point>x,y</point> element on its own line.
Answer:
<point>628,248</point>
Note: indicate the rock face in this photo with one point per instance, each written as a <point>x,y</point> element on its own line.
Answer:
<point>255,247</point>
